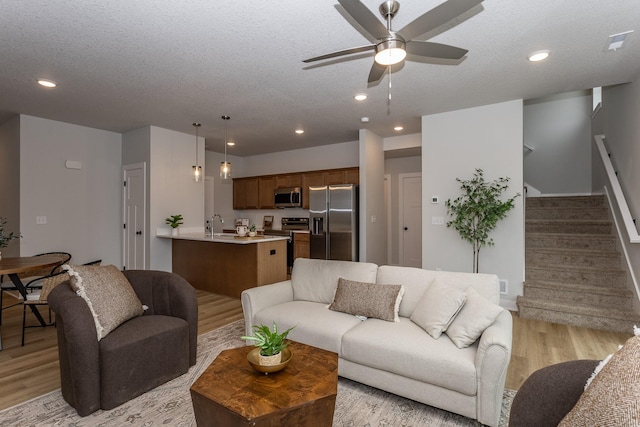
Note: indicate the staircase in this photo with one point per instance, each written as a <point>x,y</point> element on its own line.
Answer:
<point>573,271</point>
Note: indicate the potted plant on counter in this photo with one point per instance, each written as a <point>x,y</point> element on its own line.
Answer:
<point>174,221</point>
<point>271,343</point>
<point>6,238</point>
<point>252,230</point>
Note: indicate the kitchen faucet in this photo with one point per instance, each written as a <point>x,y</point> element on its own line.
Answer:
<point>212,221</point>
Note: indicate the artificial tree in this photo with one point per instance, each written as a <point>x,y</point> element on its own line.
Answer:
<point>477,211</point>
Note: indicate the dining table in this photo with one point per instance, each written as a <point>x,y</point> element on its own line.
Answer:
<point>16,266</point>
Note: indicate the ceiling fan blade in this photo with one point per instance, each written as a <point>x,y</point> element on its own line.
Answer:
<point>365,18</point>
<point>342,53</point>
<point>377,71</point>
<point>435,50</point>
<point>437,16</point>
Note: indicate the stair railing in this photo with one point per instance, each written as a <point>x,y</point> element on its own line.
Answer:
<point>616,189</point>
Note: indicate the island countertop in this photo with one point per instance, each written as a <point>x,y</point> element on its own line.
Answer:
<point>222,238</point>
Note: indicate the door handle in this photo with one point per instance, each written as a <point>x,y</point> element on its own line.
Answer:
<point>405,229</point>
<point>139,233</point>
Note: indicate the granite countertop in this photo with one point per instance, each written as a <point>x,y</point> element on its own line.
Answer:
<point>222,238</point>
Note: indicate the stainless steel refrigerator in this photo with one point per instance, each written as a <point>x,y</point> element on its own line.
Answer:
<point>333,215</point>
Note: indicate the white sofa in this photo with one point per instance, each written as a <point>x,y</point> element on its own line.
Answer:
<point>399,357</point>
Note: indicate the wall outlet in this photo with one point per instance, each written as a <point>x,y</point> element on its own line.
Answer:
<point>437,220</point>
<point>504,287</point>
<point>41,220</point>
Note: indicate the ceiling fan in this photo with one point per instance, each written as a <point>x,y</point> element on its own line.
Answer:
<point>392,47</point>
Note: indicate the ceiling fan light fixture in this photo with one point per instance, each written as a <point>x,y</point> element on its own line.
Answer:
<point>390,52</point>
<point>539,55</point>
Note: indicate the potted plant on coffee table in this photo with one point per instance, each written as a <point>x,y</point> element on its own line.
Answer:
<point>271,343</point>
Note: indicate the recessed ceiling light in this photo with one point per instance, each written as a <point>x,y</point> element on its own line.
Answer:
<point>299,131</point>
<point>47,83</point>
<point>360,96</point>
<point>231,143</point>
<point>398,128</point>
<point>539,55</point>
<point>365,120</point>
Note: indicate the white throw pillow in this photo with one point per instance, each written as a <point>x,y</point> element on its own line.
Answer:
<point>437,308</point>
<point>477,314</point>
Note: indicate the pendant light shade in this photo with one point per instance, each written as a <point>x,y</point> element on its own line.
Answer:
<point>197,169</point>
<point>225,167</point>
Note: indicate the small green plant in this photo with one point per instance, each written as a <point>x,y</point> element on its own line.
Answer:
<point>477,211</point>
<point>174,221</point>
<point>270,342</point>
<point>6,238</point>
<point>252,228</point>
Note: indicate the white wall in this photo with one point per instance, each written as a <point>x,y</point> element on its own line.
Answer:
<point>558,129</point>
<point>454,144</point>
<point>372,216</point>
<point>10,181</point>
<point>223,190</point>
<point>332,156</point>
<point>83,207</point>
<point>172,189</point>
<point>620,110</point>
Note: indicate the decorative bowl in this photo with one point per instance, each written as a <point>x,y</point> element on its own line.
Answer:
<point>252,357</point>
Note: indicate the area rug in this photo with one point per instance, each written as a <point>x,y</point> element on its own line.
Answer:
<point>170,404</point>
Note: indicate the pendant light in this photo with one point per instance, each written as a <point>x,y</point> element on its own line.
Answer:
<point>197,169</point>
<point>225,167</point>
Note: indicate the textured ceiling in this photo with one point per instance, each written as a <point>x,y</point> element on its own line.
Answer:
<point>121,65</point>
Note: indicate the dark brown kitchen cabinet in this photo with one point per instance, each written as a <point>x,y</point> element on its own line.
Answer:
<point>257,192</point>
<point>310,179</point>
<point>266,185</point>
<point>245,193</point>
<point>289,180</point>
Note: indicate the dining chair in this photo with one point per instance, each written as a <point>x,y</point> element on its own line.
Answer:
<point>40,296</point>
<point>33,280</point>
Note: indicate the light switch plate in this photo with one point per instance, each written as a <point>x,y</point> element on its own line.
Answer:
<point>41,220</point>
<point>437,220</point>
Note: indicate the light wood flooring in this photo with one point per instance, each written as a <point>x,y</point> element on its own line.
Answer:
<point>29,371</point>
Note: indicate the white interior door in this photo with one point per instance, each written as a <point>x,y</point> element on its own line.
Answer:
<point>134,230</point>
<point>410,215</point>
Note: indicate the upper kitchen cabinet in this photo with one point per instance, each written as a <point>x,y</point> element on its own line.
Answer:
<point>288,180</point>
<point>310,179</point>
<point>245,193</point>
<point>257,192</point>
<point>266,185</point>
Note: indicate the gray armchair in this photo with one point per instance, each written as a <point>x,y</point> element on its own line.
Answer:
<point>138,355</point>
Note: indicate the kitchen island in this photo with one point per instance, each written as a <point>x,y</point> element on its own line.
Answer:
<point>227,264</point>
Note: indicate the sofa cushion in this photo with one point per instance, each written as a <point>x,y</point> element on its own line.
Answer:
<point>141,354</point>
<point>404,349</point>
<point>316,280</point>
<point>476,315</point>
<point>612,397</point>
<point>414,280</point>
<point>368,299</point>
<point>314,323</point>
<point>437,308</point>
<point>109,295</point>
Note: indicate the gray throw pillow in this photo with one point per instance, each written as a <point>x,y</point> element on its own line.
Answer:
<point>109,295</point>
<point>368,299</point>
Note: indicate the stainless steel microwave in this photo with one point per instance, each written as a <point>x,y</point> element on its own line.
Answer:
<point>290,197</point>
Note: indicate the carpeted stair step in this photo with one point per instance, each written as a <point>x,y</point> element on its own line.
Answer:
<point>568,226</point>
<point>567,213</point>
<point>598,242</point>
<point>581,275</point>
<point>538,257</point>
<point>578,315</point>
<point>567,201</point>
<point>596,296</point>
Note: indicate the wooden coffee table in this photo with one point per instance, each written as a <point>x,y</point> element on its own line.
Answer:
<point>231,393</point>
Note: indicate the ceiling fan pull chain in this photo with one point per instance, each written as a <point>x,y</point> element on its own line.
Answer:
<point>389,90</point>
